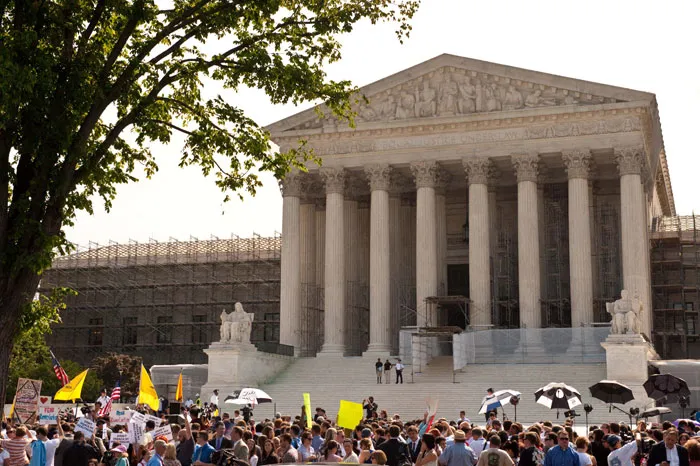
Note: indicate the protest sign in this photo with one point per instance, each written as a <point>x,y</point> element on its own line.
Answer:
<point>48,414</point>
<point>120,416</point>
<point>164,431</point>
<point>45,400</point>
<point>86,426</point>
<point>27,400</point>
<point>138,418</point>
<point>156,420</point>
<point>123,438</point>
<point>136,431</point>
<point>307,409</point>
<point>349,414</point>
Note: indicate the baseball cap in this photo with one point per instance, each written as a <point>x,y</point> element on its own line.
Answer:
<point>612,439</point>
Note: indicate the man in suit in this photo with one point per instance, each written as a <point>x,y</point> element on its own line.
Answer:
<point>219,441</point>
<point>395,450</point>
<point>414,442</point>
<point>668,452</point>
<point>240,449</point>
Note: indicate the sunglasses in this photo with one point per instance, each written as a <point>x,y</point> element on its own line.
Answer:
<point>564,438</point>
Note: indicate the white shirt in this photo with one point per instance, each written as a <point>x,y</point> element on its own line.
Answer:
<point>399,366</point>
<point>672,456</point>
<point>623,456</point>
<point>3,456</point>
<point>214,400</point>
<point>103,401</point>
<point>51,446</point>
<point>478,446</point>
<point>583,458</point>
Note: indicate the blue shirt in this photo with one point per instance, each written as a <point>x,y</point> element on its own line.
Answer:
<point>203,453</point>
<point>316,442</point>
<point>155,460</point>
<point>458,454</point>
<point>556,456</point>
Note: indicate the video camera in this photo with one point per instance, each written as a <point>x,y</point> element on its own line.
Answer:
<point>247,412</point>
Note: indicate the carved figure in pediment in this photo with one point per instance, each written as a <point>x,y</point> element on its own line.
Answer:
<point>569,100</point>
<point>367,113</point>
<point>406,106</point>
<point>493,98</point>
<point>513,100</point>
<point>426,105</point>
<point>535,99</point>
<point>448,97</point>
<point>386,109</point>
<point>467,96</point>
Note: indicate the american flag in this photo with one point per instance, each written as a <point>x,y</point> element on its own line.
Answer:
<point>58,370</point>
<point>116,395</point>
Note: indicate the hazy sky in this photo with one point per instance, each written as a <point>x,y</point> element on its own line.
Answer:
<point>643,45</point>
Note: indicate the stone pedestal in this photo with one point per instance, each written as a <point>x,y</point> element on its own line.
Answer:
<point>627,357</point>
<point>233,366</point>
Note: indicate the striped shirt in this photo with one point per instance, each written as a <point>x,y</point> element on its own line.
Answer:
<point>17,448</point>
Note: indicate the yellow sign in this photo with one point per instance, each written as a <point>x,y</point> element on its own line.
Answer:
<point>147,392</point>
<point>349,414</point>
<point>307,409</point>
<point>72,390</point>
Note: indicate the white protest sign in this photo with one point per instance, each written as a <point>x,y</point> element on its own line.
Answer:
<point>164,431</point>
<point>138,418</point>
<point>136,431</point>
<point>48,414</point>
<point>120,416</point>
<point>86,426</point>
<point>158,421</point>
<point>45,400</point>
<point>123,438</point>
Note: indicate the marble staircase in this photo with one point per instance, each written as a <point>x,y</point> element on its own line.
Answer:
<point>330,379</point>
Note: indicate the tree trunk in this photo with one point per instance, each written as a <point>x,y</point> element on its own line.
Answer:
<point>13,301</point>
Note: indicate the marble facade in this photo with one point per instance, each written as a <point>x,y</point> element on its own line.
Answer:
<point>453,131</point>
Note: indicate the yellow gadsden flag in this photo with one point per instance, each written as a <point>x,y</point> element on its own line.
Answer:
<point>147,392</point>
<point>72,390</point>
<point>178,390</point>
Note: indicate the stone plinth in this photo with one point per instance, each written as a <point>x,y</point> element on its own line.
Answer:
<point>627,357</point>
<point>233,366</point>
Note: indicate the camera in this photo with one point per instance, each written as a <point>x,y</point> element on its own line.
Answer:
<point>85,410</point>
<point>246,412</point>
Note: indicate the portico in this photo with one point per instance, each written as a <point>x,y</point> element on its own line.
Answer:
<point>532,193</point>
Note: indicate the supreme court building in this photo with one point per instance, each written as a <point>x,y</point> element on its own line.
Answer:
<point>468,194</point>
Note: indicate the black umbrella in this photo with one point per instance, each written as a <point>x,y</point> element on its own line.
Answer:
<point>666,386</point>
<point>557,395</point>
<point>611,391</point>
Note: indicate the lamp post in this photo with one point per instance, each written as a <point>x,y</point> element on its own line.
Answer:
<point>587,408</point>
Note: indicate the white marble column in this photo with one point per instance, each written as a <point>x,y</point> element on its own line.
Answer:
<point>526,168</point>
<point>379,177</point>
<point>577,163</point>
<point>334,280</point>
<point>425,174</point>
<point>477,171</point>
<point>290,266</point>
<point>395,261</point>
<point>635,274</point>
<point>320,240</point>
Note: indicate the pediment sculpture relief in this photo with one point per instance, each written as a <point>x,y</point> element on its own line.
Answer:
<point>452,91</point>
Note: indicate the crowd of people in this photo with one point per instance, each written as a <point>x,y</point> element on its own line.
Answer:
<point>202,438</point>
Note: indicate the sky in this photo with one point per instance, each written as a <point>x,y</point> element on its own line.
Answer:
<point>643,45</point>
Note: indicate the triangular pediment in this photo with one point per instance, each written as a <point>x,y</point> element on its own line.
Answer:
<point>449,86</point>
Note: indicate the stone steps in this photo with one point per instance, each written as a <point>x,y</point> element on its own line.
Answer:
<point>330,379</point>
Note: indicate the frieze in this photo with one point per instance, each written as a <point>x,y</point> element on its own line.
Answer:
<point>350,144</point>
<point>451,91</point>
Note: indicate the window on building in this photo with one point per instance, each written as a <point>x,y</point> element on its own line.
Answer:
<point>272,327</point>
<point>199,330</point>
<point>130,335</point>
<point>165,331</point>
<point>96,332</point>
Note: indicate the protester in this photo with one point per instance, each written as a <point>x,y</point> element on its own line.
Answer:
<point>458,454</point>
<point>669,452</point>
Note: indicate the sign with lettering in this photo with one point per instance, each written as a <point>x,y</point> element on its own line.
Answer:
<point>123,438</point>
<point>164,431</point>
<point>27,400</point>
<point>86,426</point>
<point>120,416</point>
<point>48,414</point>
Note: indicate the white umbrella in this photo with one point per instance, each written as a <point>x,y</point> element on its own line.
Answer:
<point>557,395</point>
<point>499,399</point>
<point>247,396</point>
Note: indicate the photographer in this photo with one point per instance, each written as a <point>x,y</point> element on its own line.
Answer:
<point>668,452</point>
<point>622,455</point>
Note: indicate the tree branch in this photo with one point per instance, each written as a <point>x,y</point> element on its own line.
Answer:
<point>94,21</point>
<point>170,125</point>
<point>5,147</point>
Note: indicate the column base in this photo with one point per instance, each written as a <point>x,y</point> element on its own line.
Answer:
<point>332,350</point>
<point>377,350</point>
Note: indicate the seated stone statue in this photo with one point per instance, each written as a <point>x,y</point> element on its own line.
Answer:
<point>237,326</point>
<point>625,314</point>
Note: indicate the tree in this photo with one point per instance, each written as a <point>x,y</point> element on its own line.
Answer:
<point>112,367</point>
<point>31,360</point>
<point>87,85</point>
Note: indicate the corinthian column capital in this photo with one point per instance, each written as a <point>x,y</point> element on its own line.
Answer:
<point>577,163</point>
<point>630,160</point>
<point>526,166</point>
<point>479,170</point>
<point>334,179</point>
<point>292,184</point>
<point>379,176</point>
<point>425,173</point>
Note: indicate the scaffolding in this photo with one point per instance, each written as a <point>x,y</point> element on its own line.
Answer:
<point>555,302</point>
<point>506,310</point>
<point>607,249</point>
<point>163,300</point>
<point>675,269</point>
